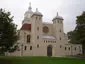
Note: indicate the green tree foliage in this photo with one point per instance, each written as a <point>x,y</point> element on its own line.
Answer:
<point>78,35</point>
<point>8,33</point>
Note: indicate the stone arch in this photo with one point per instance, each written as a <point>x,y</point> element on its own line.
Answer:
<point>49,50</point>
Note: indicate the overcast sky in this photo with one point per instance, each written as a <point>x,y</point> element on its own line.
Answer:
<point>68,9</point>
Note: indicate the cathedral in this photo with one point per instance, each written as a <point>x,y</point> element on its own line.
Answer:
<point>37,38</point>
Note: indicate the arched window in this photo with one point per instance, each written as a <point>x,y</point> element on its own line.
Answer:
<point>30,47</point>
<point>60,30</point>
<point>65,48</point>
<point>75,48</point>
<point>25,48</point>
<point>44,40</point>
<point>60,46</point>
<point>37,37</point>
<point>49,50</point>
<point>58,21</point>
<point>28,38</point>
<point>69,48</point>
<point>60,38</point>
<point>37,45</point>
<point>45,29</point>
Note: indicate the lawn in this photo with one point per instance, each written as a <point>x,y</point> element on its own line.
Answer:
<point>40,60</point>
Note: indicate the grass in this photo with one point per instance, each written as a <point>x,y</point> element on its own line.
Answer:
<point>40,60</point>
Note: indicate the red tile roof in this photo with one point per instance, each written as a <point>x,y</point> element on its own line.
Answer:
<point>26,27</point>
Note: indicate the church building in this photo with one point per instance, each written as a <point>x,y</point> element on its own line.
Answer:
<point>37,38</point>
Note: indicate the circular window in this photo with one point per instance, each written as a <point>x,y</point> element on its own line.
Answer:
<point>45,29</point>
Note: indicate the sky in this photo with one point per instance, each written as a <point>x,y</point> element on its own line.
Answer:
<point>68,9</point>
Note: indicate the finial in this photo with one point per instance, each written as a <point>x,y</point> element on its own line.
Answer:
<point>57,13</point>
<point>36,9</point>
<point>30,6</point>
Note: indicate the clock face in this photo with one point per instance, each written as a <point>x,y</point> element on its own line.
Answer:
<point>45,29</point>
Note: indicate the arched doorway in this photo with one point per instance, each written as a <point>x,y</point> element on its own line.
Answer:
<point>49,50</point>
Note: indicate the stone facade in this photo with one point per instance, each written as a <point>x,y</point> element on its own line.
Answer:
<point>44,39</point>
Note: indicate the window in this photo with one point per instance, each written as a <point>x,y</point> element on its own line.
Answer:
<point>60,46</point>
<point>45,29</point>
<point>60,38</point>
<point>60,30</point>
<point>28,38</point>
<point>36,18</point>
<point>37,28</point>
<point>37,37</point>
<point>30,47</point>
<point>24,35</point>
<point>58,21</point>
<point>44,40</point>
<point>25,48</point>
<point>69,48</point>
<point>55,41</point>
<point>75,48</point>
<point>61,22</point>
<point>37,45</point>
<point>65,48</point>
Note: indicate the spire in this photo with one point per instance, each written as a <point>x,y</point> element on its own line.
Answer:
<point>57,13</point>
<point>36,9</point>
<point>30,6</point>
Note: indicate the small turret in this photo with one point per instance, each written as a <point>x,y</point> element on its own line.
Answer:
<point>28,13</point>
<point>58,26</point>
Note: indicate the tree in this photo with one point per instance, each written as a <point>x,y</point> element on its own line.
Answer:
<point>78,35</point>
<point>8,33</point>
